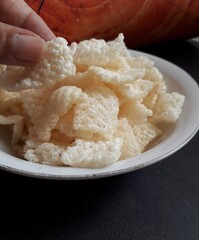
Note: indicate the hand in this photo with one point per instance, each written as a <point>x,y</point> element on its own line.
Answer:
<point>22,34</point>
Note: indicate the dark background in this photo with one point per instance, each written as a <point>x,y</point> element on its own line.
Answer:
<point>160,202</point>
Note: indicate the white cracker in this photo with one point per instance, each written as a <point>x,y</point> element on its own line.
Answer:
<point>8,100</point>
<point>154,75</point>
<point>117,77</point>
<point>45,153</point>
<point>135,112</point>
<point>65,126</point>
<point>59,103</point>
<point>98,52</point>
<point>138,89</point>
<point>151,98</point>
<point>88,154</point>
<point>130,147</point>
<point>119,63</point>
<point>140,62</point>
<point>168,107</point>
<point>145,133</point>
<point>34,102</point>
<point>99,113</point>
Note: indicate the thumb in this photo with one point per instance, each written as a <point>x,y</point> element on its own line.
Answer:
<point>19,46</point>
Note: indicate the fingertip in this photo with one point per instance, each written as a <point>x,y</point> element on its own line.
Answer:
<point>28,48</point>
<point>49,35</point>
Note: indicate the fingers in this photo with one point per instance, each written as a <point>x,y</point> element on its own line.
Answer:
<point>19,46</point>
<point>19,14</point>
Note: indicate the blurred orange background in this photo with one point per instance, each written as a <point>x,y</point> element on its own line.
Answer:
<point>142,21</point>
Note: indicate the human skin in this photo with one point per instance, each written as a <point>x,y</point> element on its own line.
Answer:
<point>22,34</point>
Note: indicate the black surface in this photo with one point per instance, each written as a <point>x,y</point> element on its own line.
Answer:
<point>160,202</point>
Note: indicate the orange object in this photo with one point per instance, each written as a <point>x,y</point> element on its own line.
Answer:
<point>142,21</point>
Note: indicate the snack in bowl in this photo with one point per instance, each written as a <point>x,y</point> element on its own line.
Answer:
<point>85,105</point>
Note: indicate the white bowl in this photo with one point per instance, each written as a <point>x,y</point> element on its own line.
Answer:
<point>174,138</point>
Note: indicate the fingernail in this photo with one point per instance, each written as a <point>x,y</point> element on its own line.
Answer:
<point>27,48</point>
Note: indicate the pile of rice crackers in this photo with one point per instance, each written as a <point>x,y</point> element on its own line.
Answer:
<point>85,105</point>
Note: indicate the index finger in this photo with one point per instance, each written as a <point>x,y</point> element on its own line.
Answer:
<point>19,14</point>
